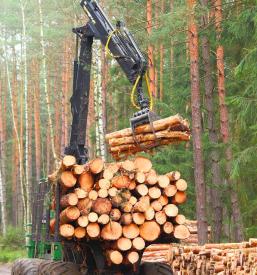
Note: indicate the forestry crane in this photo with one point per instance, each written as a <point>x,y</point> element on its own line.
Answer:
<point>66,256</point>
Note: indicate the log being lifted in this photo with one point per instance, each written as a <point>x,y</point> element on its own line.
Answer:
<point>157,125</point>
<point>166,131</point>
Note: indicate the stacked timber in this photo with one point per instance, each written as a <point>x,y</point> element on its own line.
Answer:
<point>160,252</point>
<point>224,258</point>
<point>171,130</point>
<point>127,205</point>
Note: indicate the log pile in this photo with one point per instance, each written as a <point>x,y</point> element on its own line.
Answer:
<point>225,258</point>
<point>125,204</point>
<point>171,130</point>
<point>160,252</point>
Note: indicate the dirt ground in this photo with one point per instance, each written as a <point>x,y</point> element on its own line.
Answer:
<point>5,269</point>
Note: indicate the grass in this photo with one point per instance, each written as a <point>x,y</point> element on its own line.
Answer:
<point>12,245</point>
<point>11,254</point>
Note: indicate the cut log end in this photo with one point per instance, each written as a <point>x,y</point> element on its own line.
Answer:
<point>150,231</point>
<point>181,232</point>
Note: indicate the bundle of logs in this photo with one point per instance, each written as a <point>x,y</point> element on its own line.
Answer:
<point>171,130</point>
<point>160,252</point>
<point>224,258</point>
<point>126,205</point>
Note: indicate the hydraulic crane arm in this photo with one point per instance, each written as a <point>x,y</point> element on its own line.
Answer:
<point>120,44</point>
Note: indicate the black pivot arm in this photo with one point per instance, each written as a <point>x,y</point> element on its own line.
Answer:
<point>80,97</point>
<point>120,44</point>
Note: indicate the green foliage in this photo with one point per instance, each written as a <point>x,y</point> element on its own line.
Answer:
<point>14,238</point>
<point>10,254</point>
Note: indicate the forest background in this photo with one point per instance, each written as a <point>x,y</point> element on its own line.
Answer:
<point>202,65</point>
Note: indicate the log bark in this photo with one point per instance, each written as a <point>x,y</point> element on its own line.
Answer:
<point>166,134</point>
<point>157,125</point>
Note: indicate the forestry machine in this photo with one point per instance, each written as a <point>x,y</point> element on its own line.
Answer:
<point>51,254</point>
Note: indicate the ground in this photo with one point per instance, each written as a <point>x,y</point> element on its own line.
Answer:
<point>5,269</point>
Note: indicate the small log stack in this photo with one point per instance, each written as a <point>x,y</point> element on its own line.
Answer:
<point>224,258</point>
<point>125,204</point>
<point>170,130</point>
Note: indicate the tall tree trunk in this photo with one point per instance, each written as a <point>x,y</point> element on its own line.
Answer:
<point>65,98</point>
<point>224,124</point>
<point>197,127</point>
<point>104,73</point>
<point>171,50</point>
<point>17,137</point>
<point>149,16</point>
<point>2,165</point>
<point>216,202</point>
<point>16,203</point>
<point>98,96</point>
<point>25,89</point>
<point>37,122</point>
<point>45,82</point>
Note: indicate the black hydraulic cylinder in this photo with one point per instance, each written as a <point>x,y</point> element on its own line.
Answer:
<point>80,100</point>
